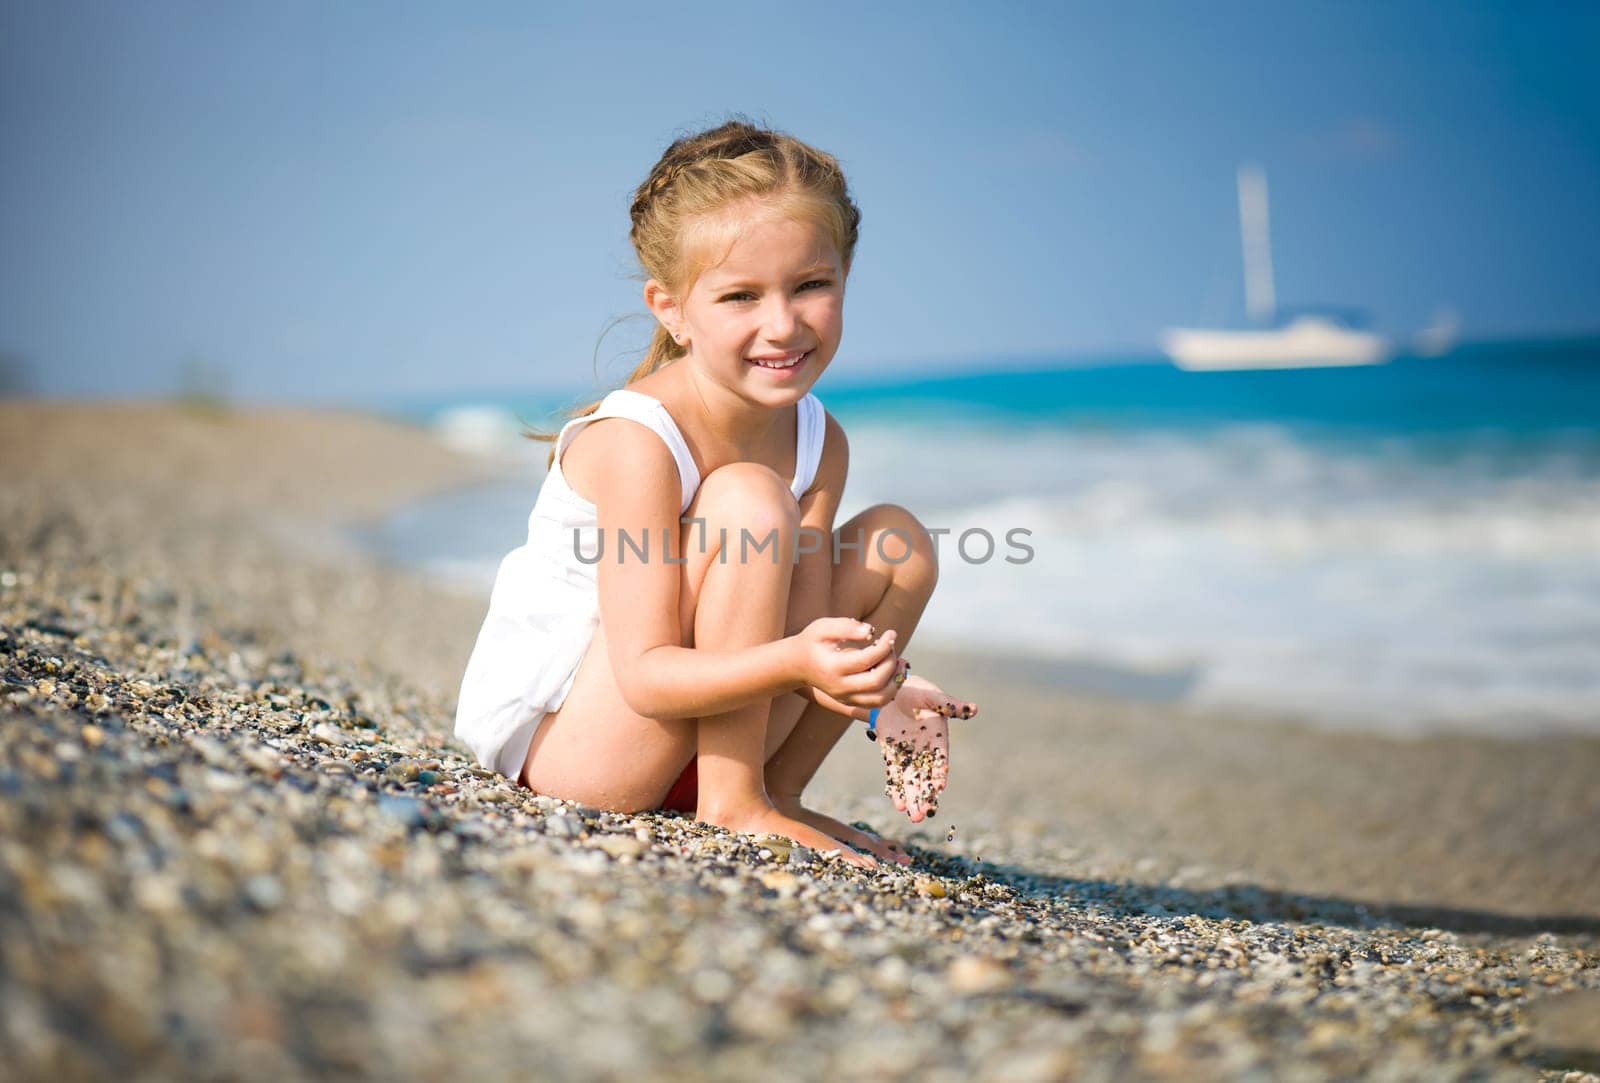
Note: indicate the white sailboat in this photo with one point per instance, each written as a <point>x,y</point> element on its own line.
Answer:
<point>1306,341</point>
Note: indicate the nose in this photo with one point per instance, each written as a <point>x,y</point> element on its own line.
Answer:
<point>779,320</point>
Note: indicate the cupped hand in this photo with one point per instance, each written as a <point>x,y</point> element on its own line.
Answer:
<point>914,735</point>
<point>848,660</point>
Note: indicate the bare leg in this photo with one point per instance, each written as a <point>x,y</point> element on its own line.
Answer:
<point>875,584</point>
<point>598,751</point>
<point>743,603</point>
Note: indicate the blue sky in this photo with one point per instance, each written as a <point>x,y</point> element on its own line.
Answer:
<point>358,201</point>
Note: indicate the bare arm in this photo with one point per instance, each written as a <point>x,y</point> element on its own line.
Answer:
<point>637,491</point>
<point>635,486</point>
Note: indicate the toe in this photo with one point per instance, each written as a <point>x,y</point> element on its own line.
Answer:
<point>888,853</point>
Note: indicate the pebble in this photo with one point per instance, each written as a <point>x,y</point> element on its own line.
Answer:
<point>774,847</point>
<point>977,974</point>
<point>407,810</point>
<point>262,759</point>
<point>263,892</point>
<point>623,846</point>
<point>330,735</point>
<point>403,771</point>
<point>785,884</point>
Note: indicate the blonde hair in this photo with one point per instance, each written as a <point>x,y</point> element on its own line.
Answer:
<point>675,212</point>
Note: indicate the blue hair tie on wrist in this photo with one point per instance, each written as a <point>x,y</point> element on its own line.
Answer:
<point>872,723</point>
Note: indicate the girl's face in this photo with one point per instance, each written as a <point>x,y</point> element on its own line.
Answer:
<point>767,320</point>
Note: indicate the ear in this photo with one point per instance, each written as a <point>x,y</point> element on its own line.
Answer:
<point>665,307</point>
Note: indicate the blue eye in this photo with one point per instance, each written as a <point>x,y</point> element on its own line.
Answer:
<point>746,295</point>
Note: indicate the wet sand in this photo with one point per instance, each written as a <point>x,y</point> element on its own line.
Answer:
<point>237,837</point>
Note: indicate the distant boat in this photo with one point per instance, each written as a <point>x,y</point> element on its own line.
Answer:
<point>1306,341</point>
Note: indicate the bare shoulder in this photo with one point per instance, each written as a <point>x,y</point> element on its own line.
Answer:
<point>617,458</point>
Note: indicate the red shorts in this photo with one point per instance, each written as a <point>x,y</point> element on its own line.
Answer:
<point>685,793</point>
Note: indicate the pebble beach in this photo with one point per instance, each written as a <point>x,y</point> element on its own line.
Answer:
<point>238,841</point>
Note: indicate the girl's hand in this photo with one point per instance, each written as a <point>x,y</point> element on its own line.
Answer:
<point>846,659</point>
<point>914,734</point>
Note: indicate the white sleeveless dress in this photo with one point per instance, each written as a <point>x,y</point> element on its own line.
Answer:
<point>545,605</point>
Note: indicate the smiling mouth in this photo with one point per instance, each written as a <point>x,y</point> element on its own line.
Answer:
<point>787,361</point>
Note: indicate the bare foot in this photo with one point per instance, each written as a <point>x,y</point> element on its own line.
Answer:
<point>913,732</point>
<point>766,820</point>
<point>887,849</point>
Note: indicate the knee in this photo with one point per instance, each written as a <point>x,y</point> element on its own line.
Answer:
<point>749,496</point>
<point>900,541</point>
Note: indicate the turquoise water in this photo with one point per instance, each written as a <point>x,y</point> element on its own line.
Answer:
<point>1512,387</point>
<point>1407,546</point>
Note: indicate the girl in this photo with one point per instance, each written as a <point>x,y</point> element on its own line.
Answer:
<point>714,672</point>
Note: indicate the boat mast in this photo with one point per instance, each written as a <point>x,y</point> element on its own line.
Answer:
<point>1260,300</point>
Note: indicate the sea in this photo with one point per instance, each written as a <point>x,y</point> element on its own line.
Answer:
<point>1402,548</point>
